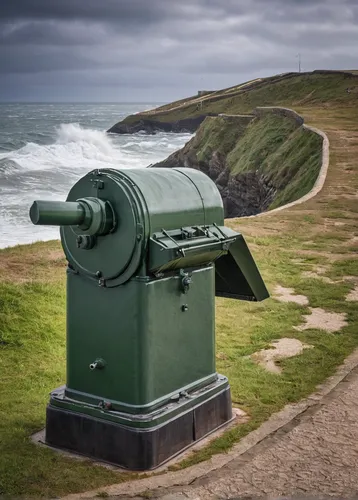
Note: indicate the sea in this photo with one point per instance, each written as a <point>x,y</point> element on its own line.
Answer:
<point>46,148</point>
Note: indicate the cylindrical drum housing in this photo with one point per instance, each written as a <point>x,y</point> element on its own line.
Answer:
<point>143,201</point>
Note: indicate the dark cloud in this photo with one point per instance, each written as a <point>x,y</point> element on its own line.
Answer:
<point>160,50</point>
<point>112,10</point>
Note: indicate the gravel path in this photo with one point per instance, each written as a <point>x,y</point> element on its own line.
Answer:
<point>316,458</point>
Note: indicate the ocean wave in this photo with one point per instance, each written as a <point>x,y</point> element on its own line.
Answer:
<point>79,149</point>
<point>51,161</point>
<point>7,167</point>
<point>74,147</point>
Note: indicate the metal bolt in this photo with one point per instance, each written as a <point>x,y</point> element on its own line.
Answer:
<point>184,307</point>
<point>98,274</point>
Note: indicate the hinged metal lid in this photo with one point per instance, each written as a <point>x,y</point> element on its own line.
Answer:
<point>236,274</point>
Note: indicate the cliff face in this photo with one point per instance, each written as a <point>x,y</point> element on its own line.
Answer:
<point>258,161</point>
<point>152,126</point>
<point>243,193</point>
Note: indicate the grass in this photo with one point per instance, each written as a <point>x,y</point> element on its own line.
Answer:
<point>217,134</point>
<point>288,155</point>
<point>285,246</point>
<point>262,138</point>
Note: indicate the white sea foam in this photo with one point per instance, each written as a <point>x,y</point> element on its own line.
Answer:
<point>74,147</point>
<point>38,171</point>
<point>77,148</point>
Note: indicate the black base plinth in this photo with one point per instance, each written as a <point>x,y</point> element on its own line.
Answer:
<point>133,448</point>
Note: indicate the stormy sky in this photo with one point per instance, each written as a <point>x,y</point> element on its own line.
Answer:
<point>160,50</point>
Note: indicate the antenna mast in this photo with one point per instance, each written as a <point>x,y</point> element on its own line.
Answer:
<point>299,62</point>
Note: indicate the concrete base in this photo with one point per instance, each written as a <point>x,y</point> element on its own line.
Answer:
<point>238,417</point>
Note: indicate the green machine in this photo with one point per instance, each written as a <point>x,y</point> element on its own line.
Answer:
<point>147,252</point>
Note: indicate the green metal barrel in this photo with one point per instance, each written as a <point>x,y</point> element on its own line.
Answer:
<point>174,198</point>
<point>57,213</point>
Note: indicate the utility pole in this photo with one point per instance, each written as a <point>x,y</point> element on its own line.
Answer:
<point>299,62</point>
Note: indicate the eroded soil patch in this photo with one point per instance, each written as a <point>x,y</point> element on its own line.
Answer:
<point>323,320</point>
<point>283,348</point>
<point>288,295</point>
<point>353,295</point>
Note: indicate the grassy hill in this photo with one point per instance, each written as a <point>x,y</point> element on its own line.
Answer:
<point>318,88</point>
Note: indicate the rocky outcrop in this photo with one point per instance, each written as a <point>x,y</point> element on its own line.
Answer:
<point>152,126</point>
<point>245,194</point>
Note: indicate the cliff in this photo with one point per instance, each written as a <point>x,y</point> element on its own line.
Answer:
<point>258,161</point>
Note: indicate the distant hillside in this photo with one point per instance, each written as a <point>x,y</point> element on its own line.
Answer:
<point>294,90</point>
